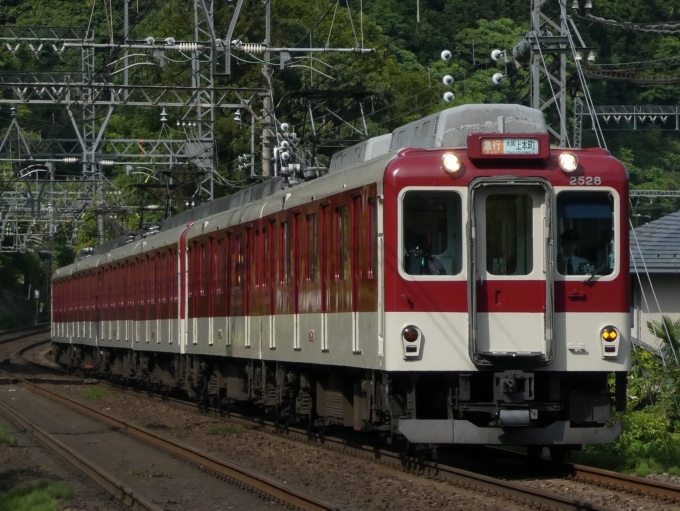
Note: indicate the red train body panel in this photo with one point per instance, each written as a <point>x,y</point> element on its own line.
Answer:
<point>428,293</point>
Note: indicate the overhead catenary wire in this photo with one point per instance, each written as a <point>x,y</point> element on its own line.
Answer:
<point>657,28</point>
<point>584,85</point>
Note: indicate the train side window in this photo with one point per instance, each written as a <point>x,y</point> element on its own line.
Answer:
<point>192,273</point>
<point>509,234</point>
<point>165,277</point>
<point>211,273</point>
<point>263,247</point>
<point>228,268</point>
<point>585,237</point>
<point>271,257</point>
<point>250,257</point>
<point>239,261</point>
<point>432,233</point>
<point>285,245</point>
<point>357,213</point>
<point>120,285</point>
<point>312,250</point>
<point>372,241</point>
<point>341,242</point>
<point>151,282</point>
<point>218,273</point>
<point>204,270</point>
<point>141,281</point>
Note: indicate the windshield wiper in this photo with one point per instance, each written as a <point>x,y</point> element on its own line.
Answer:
<point>596,271</point>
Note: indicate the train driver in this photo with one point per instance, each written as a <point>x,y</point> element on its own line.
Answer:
<point>568,263</point>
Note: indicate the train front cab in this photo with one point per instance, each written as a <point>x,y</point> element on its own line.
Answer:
<point>513,336</point>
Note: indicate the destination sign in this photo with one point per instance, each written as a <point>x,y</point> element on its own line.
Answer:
<point>503,146</point>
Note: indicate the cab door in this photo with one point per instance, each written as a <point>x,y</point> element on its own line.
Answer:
<point>511,283</point>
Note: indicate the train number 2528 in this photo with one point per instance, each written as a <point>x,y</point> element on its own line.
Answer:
<point>585,180</point>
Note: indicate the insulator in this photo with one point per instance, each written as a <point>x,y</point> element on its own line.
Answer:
<point>70,159</point>
<point>188,47</point>
<point>253,48</point>
<point>107,163</point>
<point>522,52</point>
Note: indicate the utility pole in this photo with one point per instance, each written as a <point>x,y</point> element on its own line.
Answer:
<point>544,44</point>
<point>267,105</point>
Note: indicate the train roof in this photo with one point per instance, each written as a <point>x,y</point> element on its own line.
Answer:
<point>362,174</point>
<point>446,129</point>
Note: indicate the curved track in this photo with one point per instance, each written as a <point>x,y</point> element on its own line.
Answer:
<point>243,478</point>
<point>444,468</point>
<point>467,478</point>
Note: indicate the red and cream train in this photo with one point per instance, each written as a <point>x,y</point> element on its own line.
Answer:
<point>455,281</point>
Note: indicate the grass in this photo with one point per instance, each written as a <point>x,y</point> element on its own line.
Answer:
<point>94,393</point>
<point>657,459</point>
<point>36,496</point>
<point>647,446</point>
<point>6,437</point>
<point>227,430</point>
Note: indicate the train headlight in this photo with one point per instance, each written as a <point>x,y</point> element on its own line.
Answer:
<point>568,162</point>
<point>412,341</point>
<point>609,337</point>
<point>410,333</point>
<point>451,164</point>
<point>609,334</point>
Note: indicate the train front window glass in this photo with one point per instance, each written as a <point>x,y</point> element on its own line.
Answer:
<point>432,233</point>
<point>585,233</point>
<point>509,234</point>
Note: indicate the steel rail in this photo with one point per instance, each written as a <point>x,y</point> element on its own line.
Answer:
<point>201,459</point>
<point>460,477</point>
<point>109,483</point>
<point>609,478</point>
<point>626,482</point>
<point>22,333</point>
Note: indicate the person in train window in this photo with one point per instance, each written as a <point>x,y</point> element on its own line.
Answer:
<point>568,263</point>
<point>420,261</point>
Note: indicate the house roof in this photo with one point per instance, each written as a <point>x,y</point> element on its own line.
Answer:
<point>659,246</point>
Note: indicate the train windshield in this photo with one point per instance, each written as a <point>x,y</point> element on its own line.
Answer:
<point>585,225</point>
<point>432,233</point>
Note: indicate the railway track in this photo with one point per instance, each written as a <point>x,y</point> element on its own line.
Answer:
<point>591,475</point>
<point>120,491</point>
<point>461,477</point>
<point>9,336</point>
<point>244,478</point>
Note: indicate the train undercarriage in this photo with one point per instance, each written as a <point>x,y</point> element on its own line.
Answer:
<point>519,407</point>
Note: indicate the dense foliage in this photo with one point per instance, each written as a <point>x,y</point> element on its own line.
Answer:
<point>399,83</point>
<point>651,437</point>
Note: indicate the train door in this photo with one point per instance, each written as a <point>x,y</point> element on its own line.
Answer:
<point>100,297</point>
<point>247,283</point>
<point>356,269</point>
<point>510,272</point>
<point>325,240</point>
<point>270,249</point>
<point>297,275</point>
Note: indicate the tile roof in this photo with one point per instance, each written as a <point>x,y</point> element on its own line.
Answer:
<point>659,245</point>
